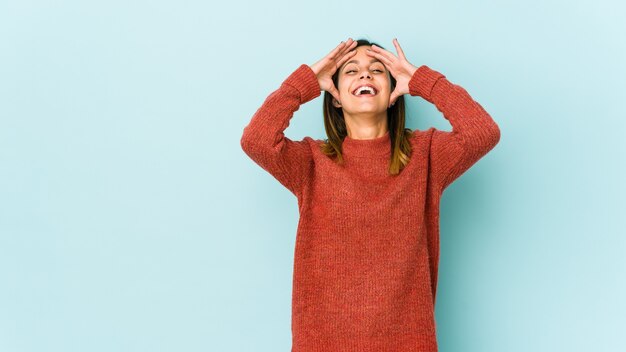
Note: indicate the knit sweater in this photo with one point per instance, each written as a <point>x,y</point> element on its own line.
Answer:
<point>367,244</point>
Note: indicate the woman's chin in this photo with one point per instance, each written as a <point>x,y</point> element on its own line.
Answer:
<point>366,108</point>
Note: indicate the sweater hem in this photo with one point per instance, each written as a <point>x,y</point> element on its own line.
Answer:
<point>395,343</point>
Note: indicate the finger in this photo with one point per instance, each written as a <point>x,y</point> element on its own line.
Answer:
<point>336,50</point>
<point>338,58</point>
<point>380,57</point>
<point>347,49</point>
<point>381,51</point>
<point>347,44</point>
<point>399,49</point>
<point>345,58</point>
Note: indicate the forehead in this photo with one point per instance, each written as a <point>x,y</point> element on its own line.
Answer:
<point>361,57</point>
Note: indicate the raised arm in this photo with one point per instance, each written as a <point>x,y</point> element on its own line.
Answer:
<point>263,139</point>
<point>474,132</point>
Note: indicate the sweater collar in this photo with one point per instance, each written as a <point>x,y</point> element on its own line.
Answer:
<point>379,146</point>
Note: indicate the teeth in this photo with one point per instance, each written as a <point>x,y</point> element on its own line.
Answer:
<point>370,90</point>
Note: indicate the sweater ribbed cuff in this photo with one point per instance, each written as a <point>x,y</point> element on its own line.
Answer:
<point>305,81</point>
<point>423,81</point>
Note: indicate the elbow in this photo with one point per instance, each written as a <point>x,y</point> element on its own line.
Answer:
<point>246,140</point>
<point>484,140</point>
<point>243,141</point>
<point>494,135</point>
<point>251,144</point>
<point>490,137</point>
<point>247,143</point>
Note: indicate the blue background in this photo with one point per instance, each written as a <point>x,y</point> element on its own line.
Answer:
<point>131,220</point>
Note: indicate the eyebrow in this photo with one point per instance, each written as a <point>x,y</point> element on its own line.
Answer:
<point>357,61</point>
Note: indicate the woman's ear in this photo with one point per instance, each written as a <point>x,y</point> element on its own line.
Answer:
<point>336,103</point>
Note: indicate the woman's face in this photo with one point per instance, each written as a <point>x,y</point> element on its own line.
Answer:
<point>363,69</point>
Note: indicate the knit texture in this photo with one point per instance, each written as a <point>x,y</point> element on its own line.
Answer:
<point>367,244</point>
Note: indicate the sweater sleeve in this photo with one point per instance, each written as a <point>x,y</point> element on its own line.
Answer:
<point>474,132</point>
<point>263,139</point>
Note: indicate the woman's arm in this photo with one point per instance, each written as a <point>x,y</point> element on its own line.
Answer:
<point>474,133</point>
<point>263,139</point>
<point>291,162</point>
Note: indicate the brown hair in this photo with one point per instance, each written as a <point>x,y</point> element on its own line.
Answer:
<point>336,131</point>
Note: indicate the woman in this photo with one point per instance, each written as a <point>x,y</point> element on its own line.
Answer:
<point>367,245</point>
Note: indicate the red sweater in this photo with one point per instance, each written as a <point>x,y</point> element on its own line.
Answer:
<point>367,246</point>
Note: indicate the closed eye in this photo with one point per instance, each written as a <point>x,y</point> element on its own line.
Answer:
<point>355,70</point>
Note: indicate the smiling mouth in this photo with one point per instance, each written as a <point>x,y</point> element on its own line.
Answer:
<point>365,91</point>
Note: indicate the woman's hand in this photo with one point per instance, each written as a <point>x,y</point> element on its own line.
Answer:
<point>399,67</point>
<point>326,67</point>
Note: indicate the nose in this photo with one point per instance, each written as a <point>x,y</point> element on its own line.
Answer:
<point>366,73</point>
